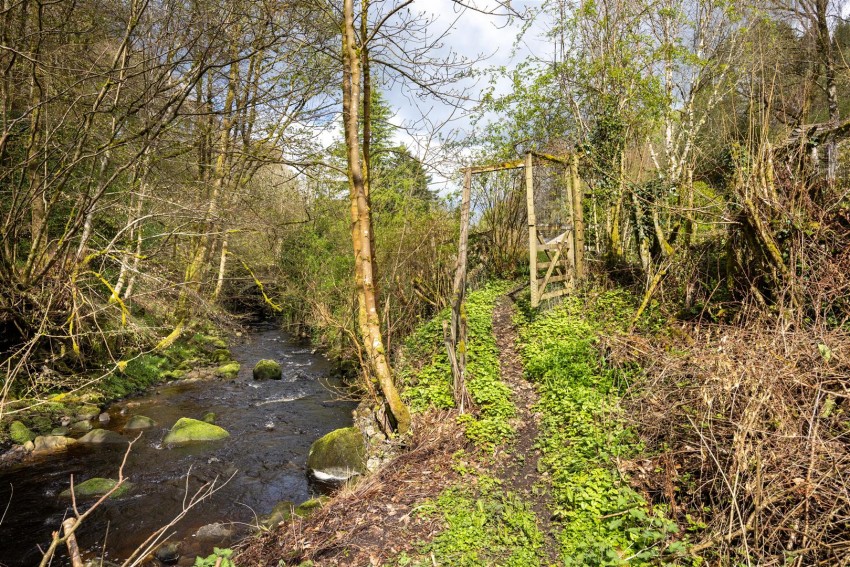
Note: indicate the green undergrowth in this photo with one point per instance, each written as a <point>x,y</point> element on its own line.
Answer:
<point>484,526</point>
<point>427,374</point>
<point>140,373</point>
<point>603,520</point>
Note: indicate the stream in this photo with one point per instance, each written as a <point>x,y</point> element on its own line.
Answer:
<point>271,423</point>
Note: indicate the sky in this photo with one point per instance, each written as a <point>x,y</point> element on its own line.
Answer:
<point>471,34</point>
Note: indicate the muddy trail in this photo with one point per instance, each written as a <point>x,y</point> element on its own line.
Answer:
<point>519,466</point>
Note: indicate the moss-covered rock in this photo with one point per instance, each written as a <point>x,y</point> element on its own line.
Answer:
<point>306,508</point>
<point>188,430</point>
<point>20,433</point>
<point>139,422</point>
<point>86,413</point>
<point>229,370</point>
<point>338,456</point>
<point>221,355</point>
<point>81,426</point>
<point>171,375</point>
<point>282,512</point>
<point>267,370</point>
<point>209,417</point>
<point>102,437</point>
<point>96,487</point>
<point>48,443</point>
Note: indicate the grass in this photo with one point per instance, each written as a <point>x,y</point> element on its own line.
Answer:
<point>139,374</point>
<point>430,386</point>
<point>484,526</point>
<point>603,520</point>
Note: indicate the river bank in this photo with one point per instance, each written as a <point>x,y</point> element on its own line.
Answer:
<point>271,423</point>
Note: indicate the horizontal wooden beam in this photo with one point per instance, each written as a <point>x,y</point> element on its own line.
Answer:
<point>562,278</point>
<point>514,164</point>
<point>550,157</point>
<point>553,294</point>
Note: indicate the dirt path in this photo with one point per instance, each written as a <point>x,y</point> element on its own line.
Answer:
<point>519,469</point>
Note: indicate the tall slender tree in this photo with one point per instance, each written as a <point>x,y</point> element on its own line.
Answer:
<point>354,82</point>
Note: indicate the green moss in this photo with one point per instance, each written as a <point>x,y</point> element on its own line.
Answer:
<point>221,355</point>
<point>171,375</point>
<point>306,508</point>
<point>282,512</point>
<point>140,374</point>
<point>188,430</point>
<point>96,487</point>
<point>267,370</point>
<point>20,433</point>
<point>339,453</point>
<point>229,370</point>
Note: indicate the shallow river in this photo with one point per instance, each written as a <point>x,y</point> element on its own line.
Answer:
<point>272,425</point>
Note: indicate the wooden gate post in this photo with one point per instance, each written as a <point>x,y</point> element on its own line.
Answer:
<point>578,217</point>
<point>456,334</point>
<point>532,229</point>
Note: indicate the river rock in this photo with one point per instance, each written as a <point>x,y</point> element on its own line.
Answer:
<point>338,456</point>
<point>49,443</point>
<point>209,417</point>
<point>103,418</point>
<point>168,553</point>
<point>267,370</point>
<point>187,430</point>
<point>139,422</point>
<point>29,446</point>
<point>282,512</point>
<point>229,370</point>
<point>20,433</point>
<point>60,431</point>
<point>96,487</point>
<point>215,531</point>
<point>86,413</point>
<point>221,355</point>
<point>102,437</point>
<point>81,427</point>
<point>306,508</point>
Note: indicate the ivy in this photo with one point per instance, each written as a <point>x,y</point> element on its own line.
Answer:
<point>604,521</point>
<point>431,385</point>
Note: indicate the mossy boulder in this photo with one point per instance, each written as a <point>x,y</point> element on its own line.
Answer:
<point>267,370</point>
<point>338,456</point>
<point>81,426</point>
<point>221,355</point>
<point>86,413</point>
<point>282,512</point>
<point>188,430</point>
<point>48,443</point>
<point>229,370</point>
<point>139,422</point>
<point>171,375</point>
<point>96,487</point>
<point>102,437</point>
<point>306,508</point>
<point>20,433</point>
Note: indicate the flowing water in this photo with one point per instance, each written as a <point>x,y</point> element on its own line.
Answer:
<point>271,425</point>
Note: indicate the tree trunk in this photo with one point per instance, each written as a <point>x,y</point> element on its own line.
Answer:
<point>362,224</point>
